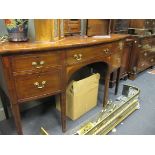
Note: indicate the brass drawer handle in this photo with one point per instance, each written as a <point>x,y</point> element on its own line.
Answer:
<point>38,64</point>
<point>78,57</point>
<point>145,54</point>
<point>40,86</point>
<point>146,46</point>
<point>139,45</point>
<point>106,51</point>
<point>152,60</point>
<point>147,22</point>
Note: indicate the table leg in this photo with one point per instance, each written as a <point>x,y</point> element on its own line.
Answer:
<point>117,80</point>
<point>63,110</point>
<point>106,89</point>
<point>17,118</point>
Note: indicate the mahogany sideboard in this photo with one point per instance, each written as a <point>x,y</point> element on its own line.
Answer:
<point>34,70</point>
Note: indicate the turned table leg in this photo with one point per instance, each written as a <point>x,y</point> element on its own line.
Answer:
<point>17,118</point>
<point>106,89</point>
<point>63,110</point>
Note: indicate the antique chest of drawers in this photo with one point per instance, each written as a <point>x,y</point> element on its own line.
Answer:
<point>143,55</point>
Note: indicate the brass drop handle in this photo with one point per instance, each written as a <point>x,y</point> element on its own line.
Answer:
<point>106,51</point>
<point>147,22</point>
<point>145,54</point>
<point>40,86</point>
<point>152,60</point>
<point>38,64</point>
<point>139,45</point>
<point>146,46</point>
<point>78,57</point>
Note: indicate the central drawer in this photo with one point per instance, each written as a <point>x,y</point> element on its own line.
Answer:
<point>38,84</point>
<point>79,55</point>
<point>30,62</point>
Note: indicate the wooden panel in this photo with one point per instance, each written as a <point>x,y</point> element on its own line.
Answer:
<point>97,27</point>
<point>72,26</point>
<point>142,23</point>
<point>116,60</point>
<point>48,82</point>
<point>126,58</point>
<point>35,61</point>
<point>137,23</point>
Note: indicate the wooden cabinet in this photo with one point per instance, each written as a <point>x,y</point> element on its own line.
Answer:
<point>98,27</point>
<point>72,26</point>
<point>142,23</point>
<point>143,55</point>
<point>120,25</point>
<point>139,49</point>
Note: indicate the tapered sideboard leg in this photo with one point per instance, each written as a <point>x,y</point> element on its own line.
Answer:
<point>63,111</point>
<point>17,118</point>
<point>106,89</point>
<point>117,80</point>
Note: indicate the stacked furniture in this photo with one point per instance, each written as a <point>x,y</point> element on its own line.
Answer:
<point>143,51</point>
<point>139,52</point>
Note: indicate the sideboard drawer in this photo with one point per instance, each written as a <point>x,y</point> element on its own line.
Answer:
<point>76,56</point>
<point>38,84</point>
<point>35,61</point>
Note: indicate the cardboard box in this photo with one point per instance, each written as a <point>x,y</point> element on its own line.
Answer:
<point>81,96</point>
